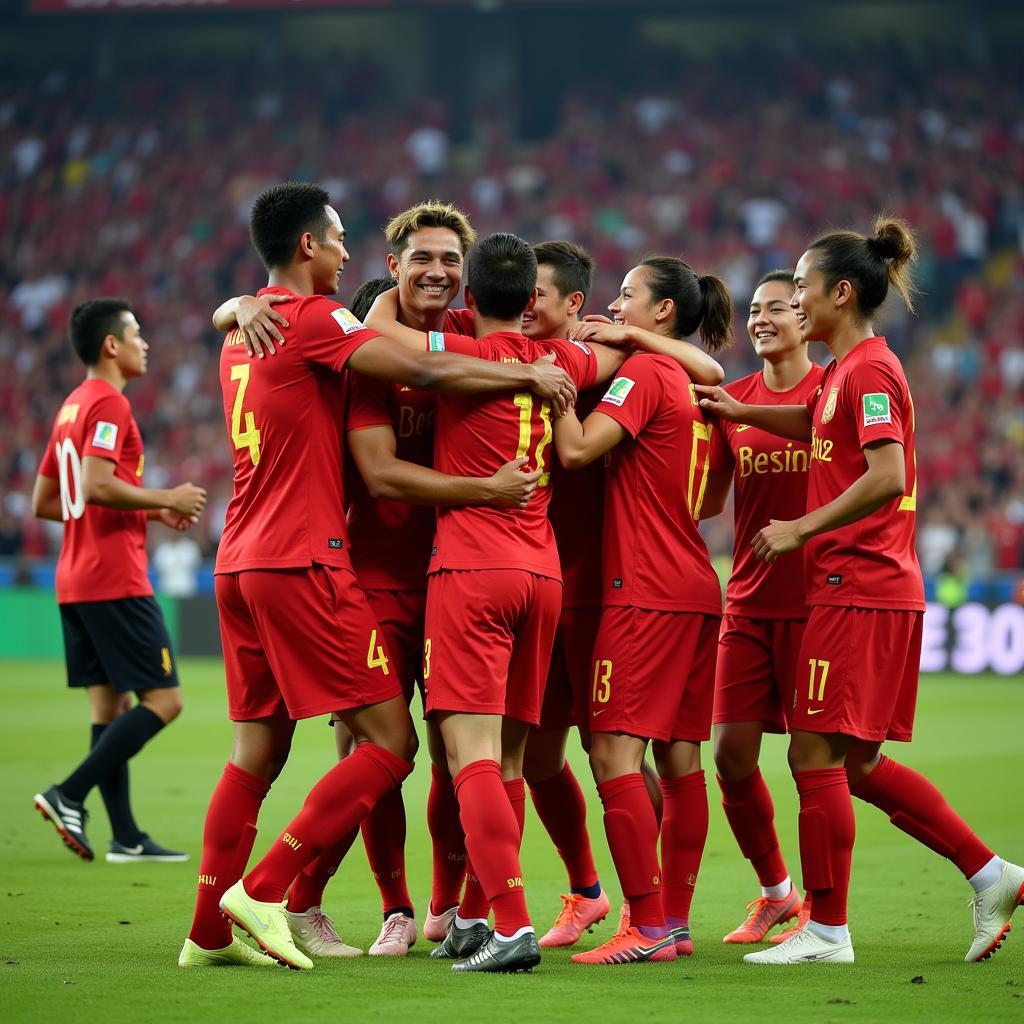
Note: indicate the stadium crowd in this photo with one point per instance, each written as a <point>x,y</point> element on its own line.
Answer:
<point>140,185</point>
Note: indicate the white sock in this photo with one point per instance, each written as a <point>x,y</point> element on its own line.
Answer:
<point>829,932</point>
<point>778,892</point>
<point>988,875</point>
<point>468,922</point>
<point>516,935</point>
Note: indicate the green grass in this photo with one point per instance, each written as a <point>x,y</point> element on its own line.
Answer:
<point>97,942</point>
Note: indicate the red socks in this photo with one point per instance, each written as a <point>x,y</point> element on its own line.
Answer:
<point>751,814</point>
<point>562,809</point>
<point>335,806</point>
<point>492,841</point>
<point>384,839</point>
<point>632,831</point>
<point>917,807</point>
<point>447,841</point>
<point>228,835</point>
<point>684,831</point>
<point>308,888</point>
<point>827,830</point>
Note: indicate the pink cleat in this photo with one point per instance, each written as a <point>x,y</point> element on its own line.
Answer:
<point>578,914</point>
<point>396,938</point>
<point>436,926</point>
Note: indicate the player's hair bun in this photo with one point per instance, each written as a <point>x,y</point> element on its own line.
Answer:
<point>893,241</point>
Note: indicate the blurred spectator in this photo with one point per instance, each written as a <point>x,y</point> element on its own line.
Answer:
<point>176,560</point>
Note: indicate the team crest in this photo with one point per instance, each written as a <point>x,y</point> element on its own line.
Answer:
<point>830,405</point>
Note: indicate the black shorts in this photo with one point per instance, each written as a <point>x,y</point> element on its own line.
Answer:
<point>123,643</point>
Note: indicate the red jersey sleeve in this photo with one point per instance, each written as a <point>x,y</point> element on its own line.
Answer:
<point>368,403</point>
<point>634,395</point>
<point>459,321</point>
<point>812,400</point>
<point>878,396</point>
<point>578,360</point>
<point>721,457</point>
<point>328,333</point>
<point>463,344</point>
<point>107,425</point>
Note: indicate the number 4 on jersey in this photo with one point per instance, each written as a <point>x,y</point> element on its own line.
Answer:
<point>250,437</point>
<point>375,656</point>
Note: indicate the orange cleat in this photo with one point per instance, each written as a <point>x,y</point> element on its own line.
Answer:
<point>578,914</point>
<point>764,915</point>
<point>630,947</point>
<point>623,917</point>
<point>805,916</point>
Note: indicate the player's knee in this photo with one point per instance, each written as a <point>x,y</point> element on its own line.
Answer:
<point>604,763</point>
<point>733,761</point>
<point>166,704</point>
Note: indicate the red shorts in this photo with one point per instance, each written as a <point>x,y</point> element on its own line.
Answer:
<point>857,673</point>
<point>757,670</point>
<point>400,614</point>
<point>301,642</point>
<point>488,641</point>
<point>654,674</point>
<point>572,658</point>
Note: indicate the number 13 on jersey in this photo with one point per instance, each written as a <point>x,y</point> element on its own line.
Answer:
<point>250,437</point>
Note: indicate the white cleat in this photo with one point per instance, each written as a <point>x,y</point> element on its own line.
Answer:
<point>804,948</point>
<point>314,933</point>
<point>396,938</point>
<point>267,923</point>
<point>992,908</point>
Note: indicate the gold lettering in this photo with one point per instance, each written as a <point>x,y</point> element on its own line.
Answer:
<point>68,414</point>
<point>291,841</point>
<point>746,461</point>
<point>207,879</point>
<point>821,448</point>
<point>781,460</point>
<point>761,463</point>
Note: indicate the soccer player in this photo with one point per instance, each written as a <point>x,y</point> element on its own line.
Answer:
<point>653,674</point>
<point>115,640</point>
<point>765,609</point>
<point>299,637</point>
<point>861,648</point>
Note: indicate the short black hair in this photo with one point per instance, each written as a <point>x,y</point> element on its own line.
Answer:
<point>572,267</point>
<point>364,295</point>
<point>502,275</point>
<point>92,321</point>
<point>775,275</point>
<point>281,215</point>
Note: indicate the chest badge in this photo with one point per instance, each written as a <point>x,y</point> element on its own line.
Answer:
<point>830,405</point>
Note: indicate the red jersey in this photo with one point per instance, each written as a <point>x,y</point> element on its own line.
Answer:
<point>654,555</point>
<point>476,434</point>
<point>770,481</point>
<point>391,540</point>
<point>871,563</point>
<point>103,555</point>
<point>285,419</point>
<point>577,517</point>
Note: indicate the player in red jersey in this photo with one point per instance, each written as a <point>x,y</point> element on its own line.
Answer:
<point>653,675</point>
<point>115,640</point>
<point>860,654</point>
<point>298,636</point>
<point>765,609</point>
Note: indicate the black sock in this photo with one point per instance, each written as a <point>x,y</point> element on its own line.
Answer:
<point>407,911</point>
<point>591,892</point>
<point>121,740</point>
<point>117,798</point>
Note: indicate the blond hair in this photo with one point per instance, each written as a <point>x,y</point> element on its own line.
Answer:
<point>430,214</point>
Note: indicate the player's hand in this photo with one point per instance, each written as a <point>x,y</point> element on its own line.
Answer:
<point>720,402</point>
<point>258,320</point>
<point>174,521</point>
<point>777,538</point>
<point>186,500</point>
<point>553,383</point>
<point>514,484</point>
<point>601,329</point>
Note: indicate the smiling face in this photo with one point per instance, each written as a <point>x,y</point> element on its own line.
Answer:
<point>553,313</point>
<point>813,302</point>
<point>773,324</point>
<point>635,304</point>
<point>428,271</point>
<point>329,256</point>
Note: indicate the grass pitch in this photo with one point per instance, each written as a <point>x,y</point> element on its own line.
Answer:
<point>98,942</point>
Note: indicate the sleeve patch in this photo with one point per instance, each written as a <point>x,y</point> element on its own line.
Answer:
<point>347,320</point>
<point>105,436</point>
<point>579,345</point>
<point>435,341</point>
<point>876,409</point>
<point>618,390</point>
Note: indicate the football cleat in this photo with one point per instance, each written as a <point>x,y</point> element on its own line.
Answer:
<point>461,942</point>
<point>630,947</point>
<point>764,914</point>
<point>805,916</point>
<point>992,909</point>
<point>684,942</point>
<point>145,850</point>
<point>578,914</point>
<point>804,948</point>
<point>68,817</point>
<point>267,923</point>
<point>498,957</point>
<point>315,935</point>
<point>396,938</point>
<point>237,954</point>
<point>436,926</point>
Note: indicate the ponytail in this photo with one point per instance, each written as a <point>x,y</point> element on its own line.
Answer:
<point>716,318</point>
<point>702,303</point>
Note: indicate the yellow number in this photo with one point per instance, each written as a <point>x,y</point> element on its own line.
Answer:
<point>250,437</point>
<point>524,402</point>
<point>375,656</point>
<point>701,432</point>
<point>602,681</point>
<point>908,503</point>
<point>816,664</point>
<point>426,659</point>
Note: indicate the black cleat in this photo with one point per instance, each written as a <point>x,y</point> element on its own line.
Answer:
<point>461,942</point>
<point>68,817</point>
<point>497,957</point>
<point>143,851</point>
